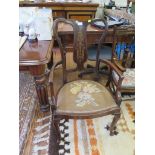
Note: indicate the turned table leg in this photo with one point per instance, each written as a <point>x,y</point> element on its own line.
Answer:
<point>41,85</point>
<point>42,92</point>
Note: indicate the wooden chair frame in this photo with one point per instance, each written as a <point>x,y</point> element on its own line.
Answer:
<point>53,98</point>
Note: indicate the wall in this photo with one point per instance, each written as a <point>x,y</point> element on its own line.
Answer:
<point>121,3</point>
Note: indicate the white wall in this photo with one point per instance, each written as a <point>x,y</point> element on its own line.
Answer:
<point>121,3</point>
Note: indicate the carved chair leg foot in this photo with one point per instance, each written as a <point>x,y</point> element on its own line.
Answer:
<point>113,133</point>
<point>113,124</point>
<point>108,127</point>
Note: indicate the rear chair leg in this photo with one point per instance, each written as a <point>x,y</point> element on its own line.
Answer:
<point>113,124</point>
<point>56,122</point>
<point>54,143</point>
<point>55,125</point>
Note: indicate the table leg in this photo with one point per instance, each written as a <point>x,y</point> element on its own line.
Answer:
<point>42,92</point>
<point>41,84</point>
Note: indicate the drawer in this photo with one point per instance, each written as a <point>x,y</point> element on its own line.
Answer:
<point>80,16</point>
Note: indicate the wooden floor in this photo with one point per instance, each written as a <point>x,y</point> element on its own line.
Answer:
<point>57,85</point>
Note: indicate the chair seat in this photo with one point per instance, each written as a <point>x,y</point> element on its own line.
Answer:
<point>129,78</point>
<point>83,97</point>
<point>105,53</point>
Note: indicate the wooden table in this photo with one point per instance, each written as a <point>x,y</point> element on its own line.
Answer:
<point>93,33</point>
<point>92,36</point>
<point>34,58</point>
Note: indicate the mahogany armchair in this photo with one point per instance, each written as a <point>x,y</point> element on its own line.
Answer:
<point>80,99</point>
<point>123,57</point>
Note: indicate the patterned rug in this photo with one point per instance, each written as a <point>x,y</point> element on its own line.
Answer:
<point>27,106</point>
<point>89,137</point>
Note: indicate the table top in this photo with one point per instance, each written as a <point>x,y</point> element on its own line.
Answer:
<point>37,53</point>
<point>66,29</point>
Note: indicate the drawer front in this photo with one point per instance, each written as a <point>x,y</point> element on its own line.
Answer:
<point>80,16</point>
<point>58,14</point>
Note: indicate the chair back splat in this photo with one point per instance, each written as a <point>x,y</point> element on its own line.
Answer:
<point>97,49</point>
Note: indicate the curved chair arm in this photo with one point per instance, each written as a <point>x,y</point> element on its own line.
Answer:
<point>116,84</point>
<point>118,65</point>
<point>51,77</point>
<point>112,66</point>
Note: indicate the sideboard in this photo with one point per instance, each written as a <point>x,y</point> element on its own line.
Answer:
<point>73,9</point>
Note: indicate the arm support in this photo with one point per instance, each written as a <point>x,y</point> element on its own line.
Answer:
<point>116,84</point>
<point>112,66</point>
<point>51,75</point>
<point>120,67</point>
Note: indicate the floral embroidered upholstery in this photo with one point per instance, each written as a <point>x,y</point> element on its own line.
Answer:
<point>83,96</point>
<point>27,105</point>
<point>121,14</point>
<point>129,78</point>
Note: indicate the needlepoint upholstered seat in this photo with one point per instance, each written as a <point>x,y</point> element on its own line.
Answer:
<point>129,78</point>
<point>84,96</point>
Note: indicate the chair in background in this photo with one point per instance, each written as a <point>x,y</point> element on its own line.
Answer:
<point>80,99</point>
<point>123,57</point>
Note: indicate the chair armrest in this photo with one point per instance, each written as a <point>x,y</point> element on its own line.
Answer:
<point>120,67</point>
<point>113,67</point>
<point>51,75</point>
<point>116,84</point>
